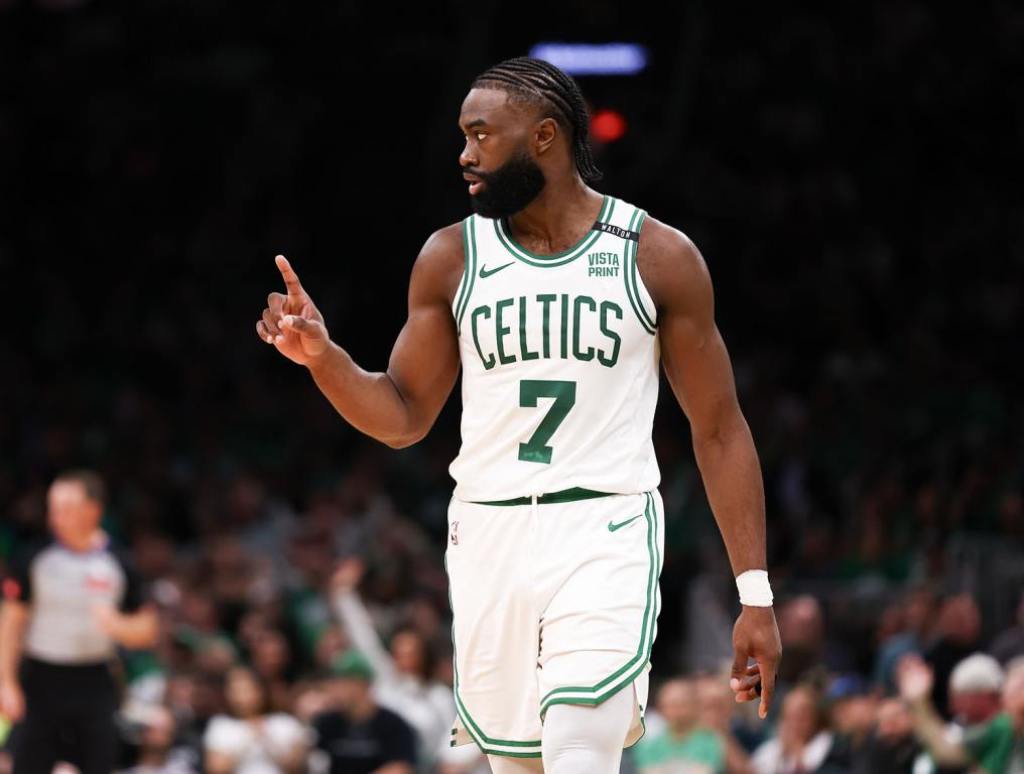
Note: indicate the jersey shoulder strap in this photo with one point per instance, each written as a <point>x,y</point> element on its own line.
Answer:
<point>469,255</point>
<point>626,223</point>
<point>617,221</point>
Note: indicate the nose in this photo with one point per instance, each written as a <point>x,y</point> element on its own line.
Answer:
<point>467,158</point>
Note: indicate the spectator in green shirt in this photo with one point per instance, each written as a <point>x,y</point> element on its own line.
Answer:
<point>996,747</point>
<point>684,747</point>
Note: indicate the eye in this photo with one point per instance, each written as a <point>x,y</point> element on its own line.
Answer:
<point>480,136</point>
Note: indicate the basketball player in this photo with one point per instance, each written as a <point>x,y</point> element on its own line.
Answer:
<point>558,302</point>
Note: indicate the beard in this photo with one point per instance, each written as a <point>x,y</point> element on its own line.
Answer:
<point>509,188</point>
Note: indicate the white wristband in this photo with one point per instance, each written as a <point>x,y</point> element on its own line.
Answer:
<point>754,588</point>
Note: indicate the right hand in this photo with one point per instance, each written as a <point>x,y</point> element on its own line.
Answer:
<point>347,574</point>
<point>12,701</point>
<point>915,678</point>
<point>291,322</point>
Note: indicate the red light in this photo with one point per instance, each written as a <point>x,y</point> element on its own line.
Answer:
<point>607,125</point>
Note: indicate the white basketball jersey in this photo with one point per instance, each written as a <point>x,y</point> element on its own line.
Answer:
<point>559,363</point>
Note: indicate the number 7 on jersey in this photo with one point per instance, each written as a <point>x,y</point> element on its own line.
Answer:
<point>564,393</point>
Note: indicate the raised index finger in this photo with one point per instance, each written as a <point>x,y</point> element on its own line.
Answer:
<point>291,279</point>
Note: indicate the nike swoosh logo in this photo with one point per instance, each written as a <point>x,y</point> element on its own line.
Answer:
<point>612,527</point>
<point>484,273</point>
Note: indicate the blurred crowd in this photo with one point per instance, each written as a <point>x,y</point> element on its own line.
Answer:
<point>940,699</point>
<point>849,173</point>
<point>326,655</point>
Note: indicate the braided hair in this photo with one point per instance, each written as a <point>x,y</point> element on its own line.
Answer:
<point>538,82</point>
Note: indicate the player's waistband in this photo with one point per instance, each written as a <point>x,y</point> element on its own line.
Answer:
<point>564,496</point>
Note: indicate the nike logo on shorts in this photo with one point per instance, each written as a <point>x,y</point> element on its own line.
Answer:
<point>485,273</point>
<point>612,526</point>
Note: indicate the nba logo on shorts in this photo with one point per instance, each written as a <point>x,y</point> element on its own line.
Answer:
<point>455,533</point>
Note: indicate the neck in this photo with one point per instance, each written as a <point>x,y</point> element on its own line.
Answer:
<point>82,542</point>
<point>152,756</point>
<point>679,730</point>
<point>554,216</point>
<point>362,709</point>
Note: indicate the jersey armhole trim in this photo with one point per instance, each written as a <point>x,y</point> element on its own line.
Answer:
<point>465,288</point>
<point>633,279</point>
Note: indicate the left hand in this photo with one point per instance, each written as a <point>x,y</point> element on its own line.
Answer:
<point>755,636</point>
<point>107,618</point>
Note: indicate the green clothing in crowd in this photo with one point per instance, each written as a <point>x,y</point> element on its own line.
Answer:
<point>700,746</point>
<point>996,747</point>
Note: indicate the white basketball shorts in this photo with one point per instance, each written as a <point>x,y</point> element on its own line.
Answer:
<point>552,603</point>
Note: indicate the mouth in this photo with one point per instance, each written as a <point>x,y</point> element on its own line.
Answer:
<point>475,183</point>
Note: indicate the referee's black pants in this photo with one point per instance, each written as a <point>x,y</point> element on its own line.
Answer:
<point>69,716</point>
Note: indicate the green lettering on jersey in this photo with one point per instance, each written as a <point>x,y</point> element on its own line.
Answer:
<point>536,449</point>
<point>606,308</point>
<point>565,325</point>
<point>577,325</point>
<point>545,300</point>
<point>587,344</point>
<point>603,265</point>
<point>502,330</point>
<point>481,311</point>
<point>524,351</point>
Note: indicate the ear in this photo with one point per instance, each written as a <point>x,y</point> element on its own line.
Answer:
<point>544,135</point>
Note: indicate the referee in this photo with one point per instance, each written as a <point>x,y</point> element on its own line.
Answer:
<point>68,603</point>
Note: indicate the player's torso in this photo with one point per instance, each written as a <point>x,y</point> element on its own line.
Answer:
<point>559,363</point>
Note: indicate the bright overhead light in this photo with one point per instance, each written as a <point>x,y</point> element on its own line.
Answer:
<point>593,58</point>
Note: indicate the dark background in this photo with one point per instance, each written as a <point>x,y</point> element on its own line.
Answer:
<point>850,172</point>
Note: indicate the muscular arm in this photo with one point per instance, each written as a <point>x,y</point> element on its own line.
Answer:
<point>698,368</point>
<point>398,406</point>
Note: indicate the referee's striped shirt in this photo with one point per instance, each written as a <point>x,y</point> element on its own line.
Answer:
<point>61,587</point>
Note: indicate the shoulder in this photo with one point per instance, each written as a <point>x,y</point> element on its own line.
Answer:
<point>982,738</point>
<point>27,553</point>
<point>670,264</point>
<point>122,555</point>
<point>226,734</point>
<point>284,728</point>
<point>327,722</point>
<point>17,578</point>
<point>388,719</point>
<point>439,693</point>
<point>438,267</point>
<point>135,592</point>
<point>399,736</point>
<point>446,240</point>
<point>767,753</point>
